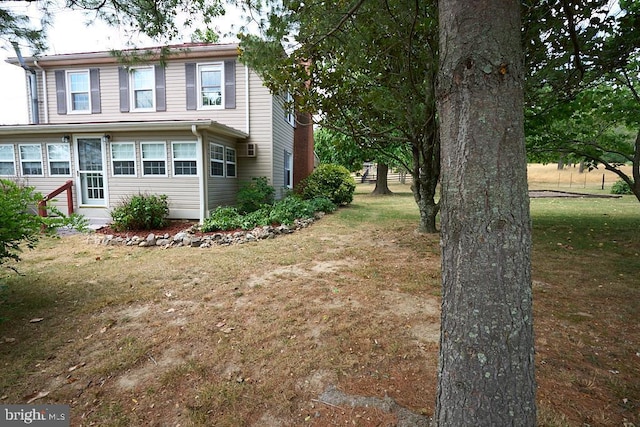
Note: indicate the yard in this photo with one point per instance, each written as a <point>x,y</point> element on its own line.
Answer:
<point>301,329</point>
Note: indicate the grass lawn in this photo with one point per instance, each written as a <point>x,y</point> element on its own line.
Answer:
<point>254,334</point>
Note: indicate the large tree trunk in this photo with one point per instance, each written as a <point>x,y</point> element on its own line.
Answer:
<point>382,183</point>
<point>486,364</point>
<point>426,175</point>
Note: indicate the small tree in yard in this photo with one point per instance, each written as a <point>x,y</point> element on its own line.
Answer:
<point>20,226</point>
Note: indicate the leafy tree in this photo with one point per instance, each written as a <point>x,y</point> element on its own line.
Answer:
<point>583,83</point>
<point>372,68</point>
<point>20,226</point>
<point>336,148</point>
<point>486,364</point>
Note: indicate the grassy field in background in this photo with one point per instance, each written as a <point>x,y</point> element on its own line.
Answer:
<point>254,334</point>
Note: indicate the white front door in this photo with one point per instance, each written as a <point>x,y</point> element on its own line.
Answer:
<point>91,172</point>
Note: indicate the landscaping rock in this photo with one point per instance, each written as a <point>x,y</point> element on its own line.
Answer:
<point>188,237</point>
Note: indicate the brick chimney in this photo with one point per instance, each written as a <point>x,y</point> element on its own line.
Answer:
<point>303,155</point>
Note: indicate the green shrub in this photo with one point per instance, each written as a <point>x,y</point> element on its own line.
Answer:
<point>333,182</point>
<point>258,218</point>
<point>20,224</point>
<point>223,218</point>
<point>289,209</point>
<point>141,212</point>
<point>322,204</point>
<point>621,187</point>
<point>253,195</point>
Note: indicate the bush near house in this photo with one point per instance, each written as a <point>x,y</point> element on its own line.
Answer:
<point>331,181</point>
<point>141,212</point>
<point>255,194</point>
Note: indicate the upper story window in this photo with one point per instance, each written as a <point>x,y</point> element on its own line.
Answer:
<point>289,112</point>
<point>185,158</point>
<point>31,159</point>
<point>210,86</point>
<point>59,159</point>
<point>217,159</point>
<point>154,158</point>
<point>7,160</point>
<point>142,88</point>
<point>123,159</point>
<point>79,99</point>
<point>78,91</point>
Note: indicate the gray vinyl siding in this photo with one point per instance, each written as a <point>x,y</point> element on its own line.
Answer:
<point>282,141</point>
<point>260,133</point>
<point>175,99</point>
<point>221,191</point>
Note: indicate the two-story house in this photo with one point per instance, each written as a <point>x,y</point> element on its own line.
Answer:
<point>192,125</point>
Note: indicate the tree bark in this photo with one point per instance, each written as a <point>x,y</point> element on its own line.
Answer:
<point>382,182</point>
<point>486,363</point>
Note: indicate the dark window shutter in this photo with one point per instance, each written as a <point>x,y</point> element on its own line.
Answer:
<point>229,84</point>
<point>61,91</point>
<point>94,78</point>
<point>123,77</point>
<point>190,76</point>
<point>161,89</point>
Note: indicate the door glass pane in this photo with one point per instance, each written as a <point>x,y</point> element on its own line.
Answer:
<point>90,154</point>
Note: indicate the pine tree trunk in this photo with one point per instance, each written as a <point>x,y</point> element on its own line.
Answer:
<point>382,183</point>
<point>486,365</point>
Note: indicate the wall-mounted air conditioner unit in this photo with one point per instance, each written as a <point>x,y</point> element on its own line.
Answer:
<point>246,150</point>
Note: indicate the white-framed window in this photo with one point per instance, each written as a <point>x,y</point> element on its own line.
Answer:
<point>7,160</point>
<point>211,85</point>
<point>59,156</point>
<point>31,159</point>
<point>123,159</point>
<point>143,88</point>
<point>230,158</point>
<point>216,159</point>
<point>289,112</point>
<point>79,99</point>
<point>154,158</point>
<point>288,169</point>
<point>185,158</point>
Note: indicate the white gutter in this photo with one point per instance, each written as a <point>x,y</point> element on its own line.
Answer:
<point>44,90</point>
<point>246,98</point>
<point>158,126</point>
<point>202,173</point>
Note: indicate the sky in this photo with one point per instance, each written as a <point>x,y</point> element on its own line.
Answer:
<point>68,34</point>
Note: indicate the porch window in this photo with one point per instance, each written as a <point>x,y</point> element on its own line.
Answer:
<point>142,88</point>
<point>230,154</point>
<point>154,158</point>
<point>123,159</point>
<point>217,159</point>
<point>210,85</point>
<point>59,157</point>
<point>288,169</point>
<point>79,91</point>
<point>185,158</point>
<point>31,159</point>
<point>7,160</point>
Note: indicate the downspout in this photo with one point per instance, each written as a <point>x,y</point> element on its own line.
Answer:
<point>33,86</point>
<point>246,98</point>
<point>44,91</point>
<point>202,187</point>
